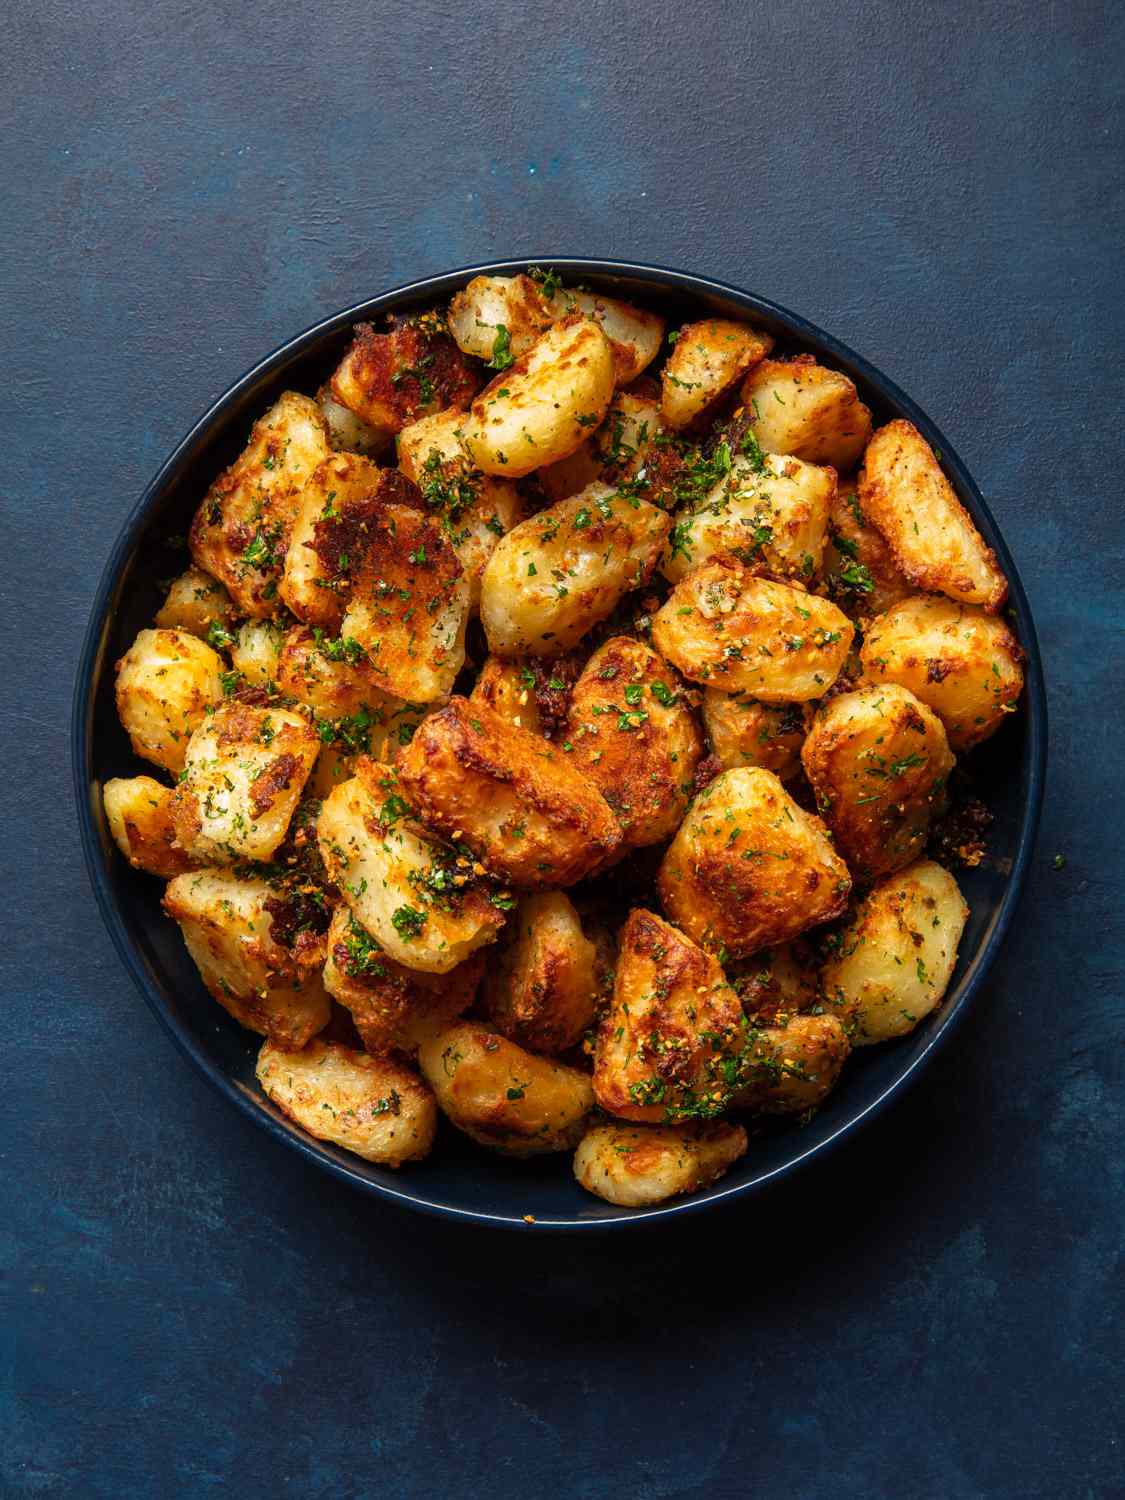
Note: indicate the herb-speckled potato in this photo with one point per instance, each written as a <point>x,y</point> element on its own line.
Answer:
<point>139,813</point>
<point>562,571</point>
<point>507,685</point>
<point>241,531</point>
<point>669,1046</point>
<point>636,737</point>
<point>707,359</point>
<point>894,961</point>
<point>347,433</point>
<point>904,493</point>
<point>541,408</point>
<point>797,406</point>
<point>793,1067</point>
<point>636,1166</point>
<point>770,512</point>
<point>498,318</point>
<point>394,1008</point>
<point>409,605</point>
<point>725,627</point>
<point>634,335</point>
<point>255,652</point>
<point>878,760</point>
<point>334,681</point>
<point>542,988</point>
<point>344,489</point>
<point>244,772</point>
<point>778,982</point>
<point>617,452</point>
<point>195,602</point>
<point>860,572</point>
<point>749,868</point>
<point>960,661</point>
<point>503,1097</point>
<point>166,682</point>
<point>373,1106</point>
<point>227,926</point>
<point>416,898</point>
<point>475,509</point>
<point>391,379</point>
<point>744,732</point>
<point>512,797</point>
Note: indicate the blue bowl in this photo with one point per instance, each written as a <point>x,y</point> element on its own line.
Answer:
<point>461,1181</point>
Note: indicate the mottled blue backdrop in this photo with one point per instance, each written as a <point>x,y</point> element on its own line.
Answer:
<point>190,1310</point>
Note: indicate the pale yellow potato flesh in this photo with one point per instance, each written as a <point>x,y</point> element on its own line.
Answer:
<point>636,1166</point>
<point>166,682</point>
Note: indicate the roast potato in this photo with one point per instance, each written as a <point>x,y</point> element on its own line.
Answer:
<point>707,359</point>
<point>507,685</point>
<point>197,603</point>
<point>498,318</point>
<point>745,732</point>
<point>634,334</point>
<point>778,982</point>
<point>166,682</point>
<point>340,496</point>
<point>793,1067</point>
<point>541,989</point>
<point>391,379</point>
<point>139,813</point>
<point>797,406</point>
<point>346,432</point>
<point>636,1166</point>
<point>860,572</point>
<point>335,681</point>
<point>255,652</point>
<point>616,453</point>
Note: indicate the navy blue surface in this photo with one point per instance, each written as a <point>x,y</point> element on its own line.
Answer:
<point>190,1310</point>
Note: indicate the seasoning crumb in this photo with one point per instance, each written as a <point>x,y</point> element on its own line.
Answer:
<point>529,1218</point>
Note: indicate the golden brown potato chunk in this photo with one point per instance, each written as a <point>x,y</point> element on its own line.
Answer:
<point>241,531</point>
<point>475,510</point>
<point>616,453</point>
<point>498,318</point>
<point>907,497</point>
<point>394,1008</point>
<point>778,982</point>
<point>542,408</point>
<point>255,652</point>
<point>878,760</point>
<point>337,505</point>
<point>508,686</point>
<point>725,627</point>
<point>346,433</point>
<point>227,924</point>
<point>372,1106</point>
<point>893,962</point>
<point>793,1067</point>
<point>391,379</point>
<point>243,775</point>
<point>770,512</point>
<point>197,603</point>
<point>744,732</point>
<point>139,813</point>
<point>960,661</point>
<point>636,1166</point>
<point>797,406</point>
<point>503,1097</point>
<point>561,572</point>
<point>166,682</point>
<point>636,737</point>
<point>415,897</point>
<point>334,679</point>
<point>707,359</point>
<point>634,335</point>
<point>513,798</point>
<point>749,867</point>
<point>860,572</point>
<point>542,989</point>
<point>409,605</point>
<point>669,1045</point>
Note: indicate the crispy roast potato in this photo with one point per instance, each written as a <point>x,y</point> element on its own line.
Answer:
<point>725,627</point>
<point>498,318</point>
<point>770,513</point>
<point>391,379</point>
<point>373,1106</point>
<point>797,406</point>
<point>241,531</point>
<point>197,603</point>
<point>878,760</point>
<point>907,497</point>
<point>542,407</point>
<point>244,772</point>
<point>749,868</point>
<point>634,334</point>
<point>542,989</point>
<point>416,898</point>
<point>512,797</point>
<point>227,926</point>
<point>507,685</point>
<point>960,661</point>
<point>166,682</point>
<point>562,571</point>
<point>893,962</point>
<point>636,737</point>
<point>394,1008</point>
<point>409,605</point>
<point>744,732</point>
<point>616,453</point>
<point>636,1166</point>
<point>793,1067</point>
<point>778,982</point>
<point>707,360</point>
<point>346,433</point>
<point>255,652</point>
<point>475,509</point>
<point>500,1095</point>
<point>318,671</point>
<point>340,496</point>
<point>668,1047</point>
<point>860,572</point>
<point>139,813</point>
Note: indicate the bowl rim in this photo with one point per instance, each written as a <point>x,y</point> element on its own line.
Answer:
<point>691,285</point>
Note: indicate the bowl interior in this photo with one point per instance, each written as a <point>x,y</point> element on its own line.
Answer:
<point>460,1179</point>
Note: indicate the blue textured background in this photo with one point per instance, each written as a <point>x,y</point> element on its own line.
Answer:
<point>192,1311</point>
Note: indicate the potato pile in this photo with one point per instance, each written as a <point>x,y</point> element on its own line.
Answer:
<point>557,747</point>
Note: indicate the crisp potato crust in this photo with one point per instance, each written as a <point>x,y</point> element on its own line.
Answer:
<point>634,334</point>
<point>542,990</point>
<point>346,433</point>
<point>778,982</point>
<point>860,572</point>
<point>795,1066</point>
<point>195,602</point>
<point>341,496</point>
<point>331,685</point>
<point>907,497</point>
<point>749,868</point>
<point>706,361</point>
<point>166,683</point>
<point>497,317</point>
<point>508,685</point>
<point>745,732</point>
<point>797,406</point>
<point>636,1166</point>
<point>255,652</point>
<point>139,813</point>
<point>391,379</point>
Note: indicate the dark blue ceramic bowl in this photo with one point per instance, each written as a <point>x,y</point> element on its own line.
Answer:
<point>460,1181</point>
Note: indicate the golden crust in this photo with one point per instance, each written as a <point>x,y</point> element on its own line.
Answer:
<point>794,1067</point>
<point>139,813</point>
<point>636,1166</point>
<point>797,406</point>
<point>338,502</point>
<point>167,682</point>
<point>543,988</point>
<point>745,732</point>
<point>195,602</point>
<point>706,361</point>
<point>860,572</point>
<point>749,868</point>
<point>391,379</point>
<point>334,688</point>
<point>634,334</point>
<point>496,314</point>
